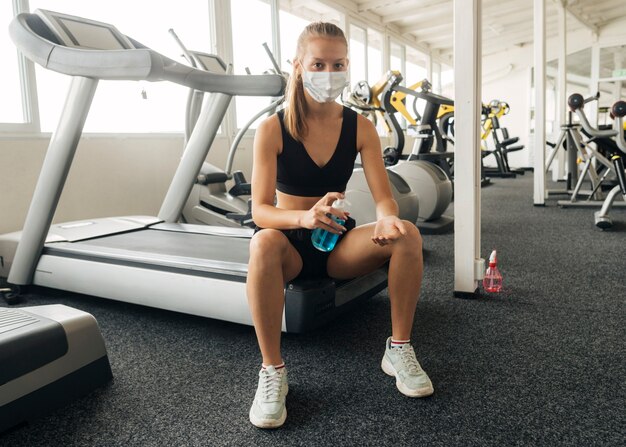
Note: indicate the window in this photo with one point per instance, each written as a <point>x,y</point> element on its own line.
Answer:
<point>290,28</point>
<point>396,63</point>
<point>12,110</point>
<point>374,56</point>
<point>447,81</point>
<point>358,42</point>
<point>397,58</point>
<point>251,27</point>
<point>128,106</point>
<point>415,66</point>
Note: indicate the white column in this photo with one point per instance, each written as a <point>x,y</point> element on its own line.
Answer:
<point>468,265</point>
<point>591,108</point>
<point>429,68</point>
<point>275,11</point>
<point>222,44</point>
<point>539,195</point>
<point>386,53</point>
<point>617,85</point>
<point>436,80</point>
<point>558,168</point>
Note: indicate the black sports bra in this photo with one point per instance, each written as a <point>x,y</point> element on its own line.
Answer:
<point>299,175</point>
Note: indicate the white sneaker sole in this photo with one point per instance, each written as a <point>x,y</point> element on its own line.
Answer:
<point>268,423</point>
<point>391,371</point>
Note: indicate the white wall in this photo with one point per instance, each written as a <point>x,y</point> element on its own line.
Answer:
<point>110,175</point>
<point>512,88</point>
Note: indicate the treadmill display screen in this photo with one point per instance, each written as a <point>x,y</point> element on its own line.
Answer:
<point>210,63</point>
<point>78,32</point>
<point>92,36</point>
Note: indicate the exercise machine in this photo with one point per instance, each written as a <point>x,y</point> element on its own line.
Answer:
<point>426,179</point>
<point>148,260</point>
<point>211,202</point>
<point>429,143</point>
<point>567,141</point>
<point>503,144</point>
<point>50,355</point>
<point>602,218</point>
<point>591,153</point>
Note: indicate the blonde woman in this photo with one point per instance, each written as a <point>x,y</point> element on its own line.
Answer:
<point>303,158</point>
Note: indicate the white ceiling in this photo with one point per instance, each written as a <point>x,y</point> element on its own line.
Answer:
<point>507,24</point>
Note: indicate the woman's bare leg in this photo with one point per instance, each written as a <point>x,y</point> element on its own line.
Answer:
<point>273,262</point>
<point>357,255</point>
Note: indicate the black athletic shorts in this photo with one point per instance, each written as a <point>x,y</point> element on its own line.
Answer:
<point>313,260</point>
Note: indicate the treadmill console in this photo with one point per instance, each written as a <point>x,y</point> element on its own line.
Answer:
<point>78,32</point>
<point>210,62</point>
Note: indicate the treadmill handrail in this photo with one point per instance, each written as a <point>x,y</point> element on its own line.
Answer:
<point>32,37</point>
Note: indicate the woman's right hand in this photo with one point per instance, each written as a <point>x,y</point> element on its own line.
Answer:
<point>317,216</point>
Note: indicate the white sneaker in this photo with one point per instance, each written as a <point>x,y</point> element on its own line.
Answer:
<point>268,409</point>
<point>411,379</point>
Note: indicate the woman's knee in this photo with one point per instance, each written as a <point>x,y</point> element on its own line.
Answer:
<point>412,240</point>
<point>268,243</point>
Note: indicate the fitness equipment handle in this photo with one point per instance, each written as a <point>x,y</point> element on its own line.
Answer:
<point>576,103</point>
<point>272,58</point>
<point>184,49</point>
<point>576,100</point>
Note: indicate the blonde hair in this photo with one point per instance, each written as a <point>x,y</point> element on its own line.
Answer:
<point>296,110</point>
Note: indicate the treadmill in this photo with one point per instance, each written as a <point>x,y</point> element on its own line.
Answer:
<point>152,261</point>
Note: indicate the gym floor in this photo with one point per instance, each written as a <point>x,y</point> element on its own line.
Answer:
<point>541,364</point>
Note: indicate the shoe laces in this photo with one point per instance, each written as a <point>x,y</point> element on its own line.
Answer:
<point>271,385</point>
<point>407,355</point>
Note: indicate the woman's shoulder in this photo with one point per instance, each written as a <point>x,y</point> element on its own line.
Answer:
<point>269,134</point>
<point>270,125</point>
<point>363,123</point>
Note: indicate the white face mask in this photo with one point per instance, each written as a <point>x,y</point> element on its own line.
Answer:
<point>324,86</point>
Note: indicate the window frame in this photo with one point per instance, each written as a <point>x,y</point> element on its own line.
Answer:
<point>364,28</point>
<point>28,88</point>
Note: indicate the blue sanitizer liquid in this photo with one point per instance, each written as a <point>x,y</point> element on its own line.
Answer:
<point>324,240</point>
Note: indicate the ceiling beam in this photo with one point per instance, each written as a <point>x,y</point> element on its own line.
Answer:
<point>502,29</point>
<point>600,8</point>
<point>427,10</point>
<point>422,32</point>
<point>509,9</point>
<point>425,25</point>
<point>613,20</point>
<point>374,4</point>
<point>584,20</point>
<point>350,9</point>
<point>443,38</point>
<point>505,32</point>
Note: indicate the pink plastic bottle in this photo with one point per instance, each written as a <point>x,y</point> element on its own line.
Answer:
<point>492,282</point>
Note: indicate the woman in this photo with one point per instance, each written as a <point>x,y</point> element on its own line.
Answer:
<point>304,157</point>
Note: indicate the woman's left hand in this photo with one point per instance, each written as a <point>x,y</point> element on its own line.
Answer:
<point>388,229</point>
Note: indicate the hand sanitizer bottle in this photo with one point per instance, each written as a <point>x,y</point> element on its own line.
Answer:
<point>492,282</point>
<point>324,240</point>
